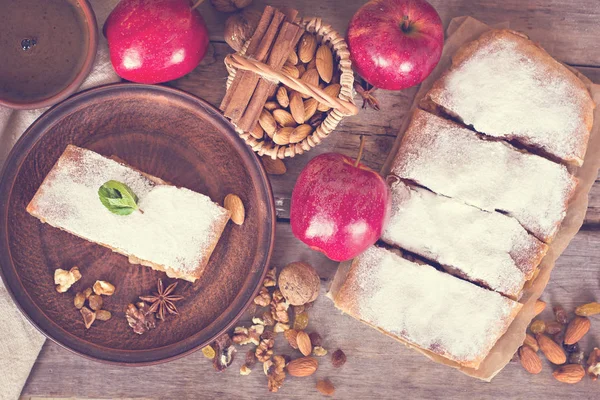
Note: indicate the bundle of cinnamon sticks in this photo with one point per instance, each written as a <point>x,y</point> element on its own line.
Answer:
<point>276,36</point>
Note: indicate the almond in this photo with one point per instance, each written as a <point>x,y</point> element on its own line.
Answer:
<point>291,70</point>
<point>324,63</point>
<point>539,307</point>
<point>553,352</point>
<point>273,167</point>
<point>531,342</point>
<point>282,136</point>
<point>334,91</point>
<point>304,366</point>
<point>282,97</point>
<point>577,329</point>
<point>267,122</point>
<point>304,344</point>
<point>291,336</point>
<point>271,105</point>
<point>234,204</point>
<point>257,132</point>
<point>284,118</point>
<point>310,77</point>
<point>570,373</point>
<point>293,58</point>
<point>307,47</point>
<point>300,133</point>
<point>310,108</point>
<point>297,107</point>
<point>301,70</point>
<point>588,309</point>
<point>530,360</point>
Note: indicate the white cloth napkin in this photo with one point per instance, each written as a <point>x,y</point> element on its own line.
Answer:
<point>20,342</point>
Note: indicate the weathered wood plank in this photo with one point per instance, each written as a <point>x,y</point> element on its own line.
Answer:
<point>568,29</point>
<point>377,366</point>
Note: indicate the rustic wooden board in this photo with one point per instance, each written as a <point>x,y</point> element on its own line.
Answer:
<point>377,366</point>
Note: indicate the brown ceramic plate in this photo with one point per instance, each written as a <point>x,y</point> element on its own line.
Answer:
<point>166,133</point>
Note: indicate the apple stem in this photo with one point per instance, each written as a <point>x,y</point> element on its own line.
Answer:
<point>197,3</point>
<point>360,150</point>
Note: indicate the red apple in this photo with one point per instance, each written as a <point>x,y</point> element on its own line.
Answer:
<point>395,44</point>
<point>338,208</point>
<point>152,41</point>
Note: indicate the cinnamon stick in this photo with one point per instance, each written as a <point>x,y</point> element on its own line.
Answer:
<point>255,41</point>
<point>284,44</point>
<point>242,92</point>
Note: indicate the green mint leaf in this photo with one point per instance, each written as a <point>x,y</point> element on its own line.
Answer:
<point>118,198</point>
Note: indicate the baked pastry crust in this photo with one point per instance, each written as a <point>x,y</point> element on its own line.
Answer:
<point>506,86</point>
<point>456,162</point>
<point>487,248</point>
<point>427,308</point>
<point>176,233</point>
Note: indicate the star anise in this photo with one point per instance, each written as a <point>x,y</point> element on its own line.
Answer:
<point>163,301</point>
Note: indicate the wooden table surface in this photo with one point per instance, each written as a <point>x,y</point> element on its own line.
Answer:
<point>377,366</point>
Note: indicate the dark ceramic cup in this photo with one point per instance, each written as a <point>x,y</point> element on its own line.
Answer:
<point>48,48</point>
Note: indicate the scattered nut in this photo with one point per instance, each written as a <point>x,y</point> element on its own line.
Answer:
<point>234,204</point>
<point>224,351</point>
<point>273,167</point>
<point>251,358</point>
<point>325,387</point>
<point>79,300</point>
<point>88,292</point>
<point>264,351</point>
<point>103,315</point>
<point>530,360</point>
<point>95,302</point>
<point>291,336</point>
<point>577,329</point>
<point>304,366</point>
<point>281,327</point>
<point>65,279</point>
<point>279,307</point>
<point>539,307</point>
<point>230,5</point>
<point>263,298</point>
<point>240,335</point>
<point>270,278</point>
<point>245,370</point>
<point>103,288</point>
<point>299,283</point>
<point>338,358</point>
<point>593,364</point>
<point>240,27</point>
<point>275,373</point>
<point>319,351</point>
<point>140,318</point>
<point>553,352</point>
<point>531,342</point>
<point>304,343</point>
<point>570,373</point>
<point>88,316</point>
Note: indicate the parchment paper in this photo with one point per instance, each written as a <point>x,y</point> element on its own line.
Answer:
<point>460,31</point>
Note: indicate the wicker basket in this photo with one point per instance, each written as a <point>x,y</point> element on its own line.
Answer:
<point>341,106</point>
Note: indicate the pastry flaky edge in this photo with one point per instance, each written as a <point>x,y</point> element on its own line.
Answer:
<point>465,52</point>
<point>71,151</point>
<point>346,300</point>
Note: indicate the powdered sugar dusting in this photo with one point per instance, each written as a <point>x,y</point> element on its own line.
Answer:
<point>484,247</point>
<point>492,175</point>
<point>509,88</point>
<point>428,308</point>
<point>321,228</point>
<point>176,229</point>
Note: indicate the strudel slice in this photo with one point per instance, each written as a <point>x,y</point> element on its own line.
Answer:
<point>492,175</point>
<point>506,86</point>
<point>487,248</point>
<point>176,232</point>
<point>425,307</point>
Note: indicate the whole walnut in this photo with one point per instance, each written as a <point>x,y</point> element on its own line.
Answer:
<point>240,27</point>
<point>299,283</point>
<point>230,5</point>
